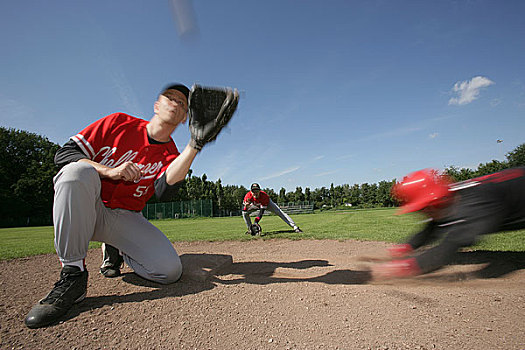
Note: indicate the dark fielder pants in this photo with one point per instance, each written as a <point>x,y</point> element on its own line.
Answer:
<point>80,216</point>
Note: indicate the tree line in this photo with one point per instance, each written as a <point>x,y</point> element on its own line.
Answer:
<point>27,170</point>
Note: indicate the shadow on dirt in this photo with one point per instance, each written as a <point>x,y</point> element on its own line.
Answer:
<point>495,264</point>
<point>498,263</point>
<point>205,271</point>
<point>273,233</point>
<point>202,272</point>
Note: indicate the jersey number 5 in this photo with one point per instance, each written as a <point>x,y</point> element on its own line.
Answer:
<point>141,191</point>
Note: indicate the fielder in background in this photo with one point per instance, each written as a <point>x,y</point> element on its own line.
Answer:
<point>458,213</point>
<point>257,200</point>
<point>109,171</point>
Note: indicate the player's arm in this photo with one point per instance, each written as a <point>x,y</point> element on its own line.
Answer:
<point>260,215</point>
<point>481,217</point>
<point>427,235</point>
<point>163,191</point>
<point>178,169</point>
<point>247,201</point>
<point>265,201</point>
<point>401,250</point>
<point>424,237</point>
<point>127,171</point>
<point>71,152</point>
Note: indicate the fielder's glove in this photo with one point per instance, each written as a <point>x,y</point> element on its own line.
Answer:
<point>210,109</point>
<point>255,229</point>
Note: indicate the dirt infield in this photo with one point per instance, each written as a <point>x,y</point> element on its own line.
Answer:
<point>275,294</point>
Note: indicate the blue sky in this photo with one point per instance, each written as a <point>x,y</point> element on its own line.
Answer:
<point>331,91</point>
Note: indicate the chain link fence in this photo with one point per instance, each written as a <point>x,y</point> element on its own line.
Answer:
<point>177,210</point>
<point>206,207</point>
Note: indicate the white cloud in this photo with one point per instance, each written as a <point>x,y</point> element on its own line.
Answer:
<point>468,91</point>
<point>280,173</point>
<point>434,135</point>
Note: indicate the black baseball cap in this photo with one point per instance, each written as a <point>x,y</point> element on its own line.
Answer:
<point>255,187</point>
<point>179,87</point>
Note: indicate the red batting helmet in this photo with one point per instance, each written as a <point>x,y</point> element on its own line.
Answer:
<point>420,189</point>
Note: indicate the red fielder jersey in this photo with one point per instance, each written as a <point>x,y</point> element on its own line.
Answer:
<point>263,199</point>
<point>118,138</point>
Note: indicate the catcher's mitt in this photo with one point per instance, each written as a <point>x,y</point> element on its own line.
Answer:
<point>210,109</point>
<point>255,229</point>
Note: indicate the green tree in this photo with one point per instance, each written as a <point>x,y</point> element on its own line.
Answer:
<point>307,194</point>
<point>282,196</point>
<point>271,193</point>
<point>298,195</point>
<point>355,195</point>
<point>383,196</point>
<point>367,194</point>
<point>459,174</point>
<point>516,157</point>
<point>492,167</point>
<point>26,173</point>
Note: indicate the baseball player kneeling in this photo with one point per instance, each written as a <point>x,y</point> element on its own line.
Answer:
<point>109,171</point>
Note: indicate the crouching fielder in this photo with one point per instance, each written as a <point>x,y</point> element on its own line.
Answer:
<point>259,200</point>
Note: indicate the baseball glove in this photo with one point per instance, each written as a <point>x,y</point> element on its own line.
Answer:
<point>255,229</point>
<point>210,109</point>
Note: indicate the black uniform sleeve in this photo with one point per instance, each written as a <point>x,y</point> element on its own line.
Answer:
<point>424,237</point>
<point>165,192</point>
<point>477,213</point>
<point>69,153</point>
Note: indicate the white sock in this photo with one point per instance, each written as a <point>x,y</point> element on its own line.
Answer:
<point>78,263</point>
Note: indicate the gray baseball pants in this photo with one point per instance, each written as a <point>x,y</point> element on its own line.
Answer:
<point>274,208</point>
<point>80,216</point>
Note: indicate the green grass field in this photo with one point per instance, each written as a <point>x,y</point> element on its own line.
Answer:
<point>371,225</point>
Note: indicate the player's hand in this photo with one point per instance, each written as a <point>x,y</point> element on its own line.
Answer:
<point>127,171</point>
<point>400,250</point>
<point>395,269</point>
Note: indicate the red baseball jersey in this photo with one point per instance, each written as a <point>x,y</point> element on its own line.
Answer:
<point>118,138</point>
<point>263,199</point>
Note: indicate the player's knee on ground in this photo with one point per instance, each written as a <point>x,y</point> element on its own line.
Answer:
<point>167,272</point>
<point>173,274</point>
<point>163,271</point>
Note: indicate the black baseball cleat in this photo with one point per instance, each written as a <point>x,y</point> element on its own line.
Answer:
<point>110,271</point>
<point>112,261</point>
<point>69,290</point>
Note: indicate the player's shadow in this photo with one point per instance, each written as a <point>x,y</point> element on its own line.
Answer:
<point>497,263</point>
<point>273,233</point>
<point>265,272</point>
<point>203,272</point>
